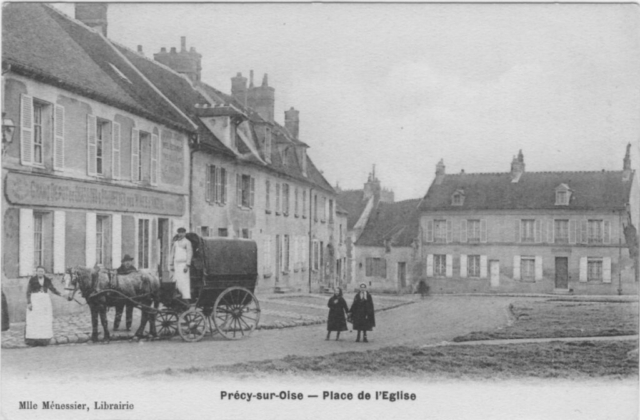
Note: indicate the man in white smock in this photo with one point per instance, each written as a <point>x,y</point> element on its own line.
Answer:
<point>181,253</point>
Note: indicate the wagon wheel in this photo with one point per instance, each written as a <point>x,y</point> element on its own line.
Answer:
<point>167,323</point>
<point>192,325</point>
<point>236,313</point>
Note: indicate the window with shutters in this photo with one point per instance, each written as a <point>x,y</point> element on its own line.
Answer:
<point>287,253</point>
<point>143,243</point>
<point>324,209</point>
<point>561,231</point>
<point>221,190</point>
<point>102,131</point>
<point>528,268</point>
<point>527,230</point>
<point>440,265</point>
<point>246,233</point>
<point>285,199</point>
<point>304,204</point>
<point>295,203</point>
<point>267,196</point>
<point>473,230</point>
<point>39,125</point>
<point>440,231</point>
<point>594,269</point>
<point>246,190</point>
<point>204,231</point>
<point>330,210</point>
<point>277,198</point>
<point>210,190</point>
<point>102,240</point>
<point>473,265</point>
<point>223,232</point>
<point>316,255</point>
<point>595,231</point>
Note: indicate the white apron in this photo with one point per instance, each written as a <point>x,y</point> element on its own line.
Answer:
<point>182,279</point>
<point>40,317</point>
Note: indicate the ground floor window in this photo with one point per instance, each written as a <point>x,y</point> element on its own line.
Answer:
<point>594,269</point>
<point>473,266</point>
<point>223,232</point>
<point>528,268</point>
<point>376,267</point>
<point>440,265</point>
<point>101,239</point>
<point>143,243</point>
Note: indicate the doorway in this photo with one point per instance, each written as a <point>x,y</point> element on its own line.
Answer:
<point>278,258</point>
<point>495,273</point>
<point>402,274</point>
<point>562,272</point>
<point>165,249</point>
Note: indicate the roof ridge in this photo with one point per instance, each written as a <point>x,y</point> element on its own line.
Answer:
<point>535,172</point>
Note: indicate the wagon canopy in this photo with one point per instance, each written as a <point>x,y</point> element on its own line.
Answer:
<point>223,256</point>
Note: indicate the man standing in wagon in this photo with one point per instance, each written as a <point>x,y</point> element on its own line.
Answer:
<point>181,253</point>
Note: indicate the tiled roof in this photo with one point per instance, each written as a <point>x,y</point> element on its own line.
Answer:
<point>354,203</point>
<point>604,190</point>
<point>398,223</point>
<point>43,43</point>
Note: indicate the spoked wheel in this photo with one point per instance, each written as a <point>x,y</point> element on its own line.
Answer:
<point>236,313</point>
<point>192,325</point>
<point>167,323</point>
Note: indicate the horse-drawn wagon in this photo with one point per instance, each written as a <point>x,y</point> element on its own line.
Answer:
<point>223,276</point>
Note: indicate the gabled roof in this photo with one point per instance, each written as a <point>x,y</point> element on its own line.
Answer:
<point>604,190</point>
<point>353,202</point>
<point>398,223</point>
<point>42,43</point>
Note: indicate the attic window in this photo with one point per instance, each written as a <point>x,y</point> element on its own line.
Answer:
<point>119,73</point>
<point>563,195</point>
<point>457,199</point>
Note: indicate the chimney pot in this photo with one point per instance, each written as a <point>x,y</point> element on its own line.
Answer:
<point>183,43</point>
<point>140,49</point>
<point>517,167</point>
<point>173,50</point>
<point>163,49</point>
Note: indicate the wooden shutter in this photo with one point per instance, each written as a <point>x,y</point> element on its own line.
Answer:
<point>538,231</point>
<point>606,270</point>
<point>223,185</point>
<point>59,239</point>
<point>116,140</point>
<point>429,265</point>
<point>449,265</point>
<point>584,238</point>
<point>583,269</point>
<point>449,231</point>
<point>135,154</point>
<point>483,266</point>
<point>517,233</point>
<point>58,137</point>
<point>90,240</point>
<point>516,267</point>
<point>538,267</point>
<point>483,230</point>
<point>607,232</point>
<point>238,190</point>
<point>218,185</point>
<point>154,159</point>
<point>207,183</point>
<point>91,145</point>
<point>252,196</point>
<point>25,242</point>
<point>573,231</point>
<point>26,138</point>
<point>116,239</point>
<point>430,231</point>
<point>463,231</point>
<point>463,265</point>
<point>550,231</point>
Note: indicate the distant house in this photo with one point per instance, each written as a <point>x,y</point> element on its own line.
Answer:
<point>541,232</point>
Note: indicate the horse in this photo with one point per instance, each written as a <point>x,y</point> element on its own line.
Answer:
<point>95,286</point>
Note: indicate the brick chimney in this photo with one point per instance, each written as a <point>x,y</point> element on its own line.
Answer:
<point>292,122</point>
<point>94,15</point>
<point>239,88</point>
<point>626,165</point>
<point>262,99</point>
<point>440,172</point>
<point>517,167</point>
<point>184,62</point>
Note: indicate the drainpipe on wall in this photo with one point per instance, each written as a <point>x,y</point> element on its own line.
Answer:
<point>310,236</point>
<point>620,233</point>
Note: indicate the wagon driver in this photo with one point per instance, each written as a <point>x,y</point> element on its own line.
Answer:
<point>181,253</point>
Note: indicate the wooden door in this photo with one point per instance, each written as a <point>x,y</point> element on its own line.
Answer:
<point>402,274</point>
<point>562,272</point>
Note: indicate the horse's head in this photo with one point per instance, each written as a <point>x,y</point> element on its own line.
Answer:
<point>74,278</point>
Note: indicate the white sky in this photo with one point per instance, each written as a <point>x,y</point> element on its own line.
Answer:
<point>403,85</point>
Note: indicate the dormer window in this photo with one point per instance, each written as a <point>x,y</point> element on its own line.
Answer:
<point>563,195</point>
<point>457,199</point>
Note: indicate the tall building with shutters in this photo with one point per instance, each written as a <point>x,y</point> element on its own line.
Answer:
<point>532,232</point>
<point>99,163</point>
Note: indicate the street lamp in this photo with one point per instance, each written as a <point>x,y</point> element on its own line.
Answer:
<point>8,128</point>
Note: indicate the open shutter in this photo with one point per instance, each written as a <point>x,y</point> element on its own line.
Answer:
<point>538,267</point>
<point>59,239</point>
<point>538,231</point>
<point>606,270</point>
<point>483,230</point>
<point>516,267</point>
<point>238,190</point>
<point>483,266</point>
<point>583,269</point>
<point>207,184</point>
<point>517,233</point>
<point>252,196</point>
<point>218,190</point>
<point>550,233</point>
<point>463,265</point>
<point>429,265</point>
<point>449,231</point>
<point>449,265</point>
<point>116,140</point>
<point>25,242</point>
<point>135,154</point>
<point>91,144</point>
<point>573,231</point>
<point>463,231</point>
<point>58,137</point>
<point>26,137</point>
<point>116,239</point>
<point>583,232</point>
<point>429,230</point>
<point>607,232</point>
<point>154,159</point>
<point>90,244</point>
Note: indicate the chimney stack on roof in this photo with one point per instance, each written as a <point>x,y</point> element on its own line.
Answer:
<point>94,15</point>
<point>239,88</point>
<point>440,172</point>
<point>184,62</point>
<point>517,167</point>
<point>183,44</point>
<point>626,166</point>
<point>292,122</point>
<point>140,49</point>
<point>262,98</point>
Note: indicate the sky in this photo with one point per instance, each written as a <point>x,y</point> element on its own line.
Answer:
<point>402,86</point>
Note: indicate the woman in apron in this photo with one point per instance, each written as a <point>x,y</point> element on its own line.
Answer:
<point>181,254</point>
<point>39,329</point>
